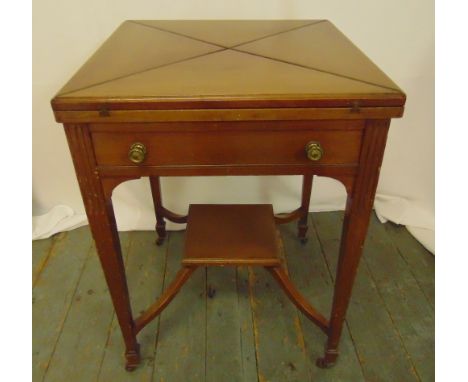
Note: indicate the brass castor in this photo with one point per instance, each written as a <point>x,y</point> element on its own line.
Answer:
<point>132,358</point>
<point>328,360</point>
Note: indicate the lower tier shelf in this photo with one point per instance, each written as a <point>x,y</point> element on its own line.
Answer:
<point>231,234</point>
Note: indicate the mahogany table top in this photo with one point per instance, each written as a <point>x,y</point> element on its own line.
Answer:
<point>202,64</point>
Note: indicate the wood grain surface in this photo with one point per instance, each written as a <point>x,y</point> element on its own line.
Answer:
<point>200,64</point>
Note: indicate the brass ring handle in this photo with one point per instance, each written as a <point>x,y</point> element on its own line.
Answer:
<point>137,152</point>
<point>314,150</point>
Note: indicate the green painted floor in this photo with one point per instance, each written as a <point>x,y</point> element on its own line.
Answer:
<point>231,324</point>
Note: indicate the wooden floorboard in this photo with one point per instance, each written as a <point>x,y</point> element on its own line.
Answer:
<point>420,261</point>
<point>309,273</point>
<point>231,324</point>
<point>223,331</point>
<point>53,294</point>
<point>181,347</point>
<point>84,332</point>
<point>377,336</point>
<point>42,250</point>
<point>403,297</point>
<point>247,334</point>
<point>279,339</point>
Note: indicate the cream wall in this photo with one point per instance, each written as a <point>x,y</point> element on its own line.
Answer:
<point>397,35</point>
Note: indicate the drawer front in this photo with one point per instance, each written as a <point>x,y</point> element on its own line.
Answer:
<point>249,147</point>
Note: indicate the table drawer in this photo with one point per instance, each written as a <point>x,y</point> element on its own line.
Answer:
<point>167,148</point>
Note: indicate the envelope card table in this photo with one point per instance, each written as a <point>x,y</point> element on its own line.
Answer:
<point>201,98</point>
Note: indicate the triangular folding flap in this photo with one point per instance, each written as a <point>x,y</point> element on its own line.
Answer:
<point>321,46</point>
<point>133,48</point>
<point>227,33</point>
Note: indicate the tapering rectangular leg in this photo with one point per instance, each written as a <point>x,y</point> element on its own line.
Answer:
<point>357,215</point>
<point>305,202</point>
<point>101,219</point>
<point>157,201</point>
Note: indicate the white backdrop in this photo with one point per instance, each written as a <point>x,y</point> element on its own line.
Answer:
<point>397,35</point>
